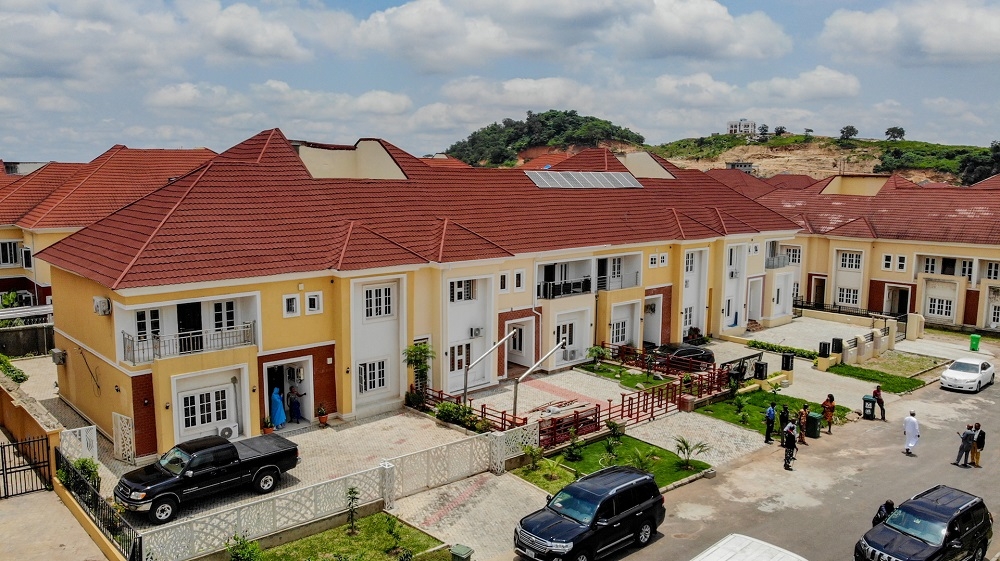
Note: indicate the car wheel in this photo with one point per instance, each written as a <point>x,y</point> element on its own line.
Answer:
<point>265,481</point>
<point>979,386</point>
<point>645,533</point>
<point>992,378</point>
<point>980,553</point>
<point>586,556</point>
<point>162,510</point>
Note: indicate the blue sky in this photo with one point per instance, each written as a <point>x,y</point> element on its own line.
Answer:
<point>78,76</point>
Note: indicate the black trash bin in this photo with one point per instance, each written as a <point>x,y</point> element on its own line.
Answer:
<point>868,410</point>
<point>838,345</point>
<point>813,424</point>
<point>760,370</point>
<point>824,349</point>
<point>788,361</point>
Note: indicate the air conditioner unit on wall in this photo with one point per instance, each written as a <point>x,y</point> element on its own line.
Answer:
<point>229,431</point>
<point>569,354</point>
<point>476,332</point>
<point>102,306</point>
<point>58,356</point>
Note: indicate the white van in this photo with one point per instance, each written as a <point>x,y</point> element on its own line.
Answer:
<point>737,547</point>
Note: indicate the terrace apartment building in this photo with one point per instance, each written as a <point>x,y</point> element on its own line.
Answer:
<point>286,262</point>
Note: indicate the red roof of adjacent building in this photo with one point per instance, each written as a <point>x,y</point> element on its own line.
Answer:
<point>112,180</point>
<point>256,211</point>
<point>444,162</point>
<point>545,161</point>
<point>741,181</point>
<point>25,192</point>
<point>790,181</point>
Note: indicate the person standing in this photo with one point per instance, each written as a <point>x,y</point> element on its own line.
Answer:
<point>784,417</point>
<point>911,432</point>
<point>788,441</point>
<point>978,444</point>
<point>294,404</point>
<point>829,406</point>
<point>884,510</point>
<point>769,423</point>
<point>277,409</point>
<point>968,437</point>
<point>877,394</point>
<point>803,419</point>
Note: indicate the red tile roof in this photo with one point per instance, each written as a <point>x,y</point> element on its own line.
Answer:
<point>591,159</point>
<point>112,180</point>
<point>790,181</point>
<point>256,211</point>
<point>744,183</point>
<point>445,162</point>
<point>545,161</point>
<point>20,196</point>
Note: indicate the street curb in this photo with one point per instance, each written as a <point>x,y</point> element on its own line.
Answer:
<point>690,479</point>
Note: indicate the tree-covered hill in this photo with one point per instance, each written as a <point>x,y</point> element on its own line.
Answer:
<point>498,144</point>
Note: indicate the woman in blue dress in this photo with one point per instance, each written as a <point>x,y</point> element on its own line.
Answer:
<point>277,409</point>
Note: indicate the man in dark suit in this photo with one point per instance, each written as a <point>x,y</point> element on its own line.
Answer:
<point>978,444</point>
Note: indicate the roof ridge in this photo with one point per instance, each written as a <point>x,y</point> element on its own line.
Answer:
<point>347,240</point>
<point>166,216</point>
<point>693,219</point>
<point>480,236</point>
<point>740,220</point>
<point>22,181</point>
<point>264,148</point>
<point>718,213</point>
<point>444,232</point>
<point>394,242</point>
<point>116,149</point>
<point>678,220</point>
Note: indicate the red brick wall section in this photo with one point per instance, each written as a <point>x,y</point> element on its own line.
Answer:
<point>144,417</point>
<point>971,307</point>
<point>666,313</point>
<point>502,319</point>
<point>876,295</point>
<point>324,375</point>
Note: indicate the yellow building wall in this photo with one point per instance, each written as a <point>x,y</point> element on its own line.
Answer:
<point>607,299</point>
<point>88,382</point>
<point>37,241</point>
<point>73,312</point>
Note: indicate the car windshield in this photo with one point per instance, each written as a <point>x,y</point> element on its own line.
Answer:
<point>965,367</point>
<point>576,504</point>
<point>175,460</point>
<point>916,524</point>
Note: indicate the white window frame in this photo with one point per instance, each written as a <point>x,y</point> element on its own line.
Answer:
<point>940,307</point>
<point>688,319</point>
<point>224,315</point>
<point>619,332</point>
<point>850,260</point>
<point>9,253</point>
<point>654,259</point>
<point>462,290</point>
<point>993,270</point>
<point>372,375</point>
<point>847,296</point>
<point>311,307</point>
<point>664,259</point>
<point>995,314</point>
<point>27,260</point>
<point>966,268</point>
<point>565,331</point>
<point>689,262</point>
<point>519,280</point>
<point>794,254</point>
<point>146,325</point>
<point>377,301</point>
<point>517,340</point>
<point>216,415</point>
<point>503,282</point>
<point>930,265</point>
<point>290,306</point>
<point>901,263</point>
<point>795,291</point>
<point>886,262</point>
<point>459,356</point>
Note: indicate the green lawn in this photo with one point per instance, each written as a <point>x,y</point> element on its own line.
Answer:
<point>756,405</point>
<point>890,383</point>
<point>371,543</point>
<point>628,378</point>
<point>902,364</point>
<point>665,468</point>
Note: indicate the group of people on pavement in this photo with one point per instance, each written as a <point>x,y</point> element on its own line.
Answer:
<point>794,430</point>
<point>973,442</point>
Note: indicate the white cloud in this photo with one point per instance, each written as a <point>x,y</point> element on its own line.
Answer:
<point>818,83</point>
<point>521,92</point>
<point>917,32</point>
<point>281,99</point>
<point>696,89</point>
<point>955,109</point>
<point>57,103</point>
<point>241,32</point>
<point>201,97</point>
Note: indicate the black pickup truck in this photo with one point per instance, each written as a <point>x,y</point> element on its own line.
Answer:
<point>202,467</point>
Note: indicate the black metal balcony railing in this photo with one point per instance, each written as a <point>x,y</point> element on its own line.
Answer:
<point>558,289</point>
<point>138,351</point>
<point>776,262</point>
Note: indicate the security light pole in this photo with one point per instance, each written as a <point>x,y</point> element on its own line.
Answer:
<point>561,345</point>
<point>468,365</point>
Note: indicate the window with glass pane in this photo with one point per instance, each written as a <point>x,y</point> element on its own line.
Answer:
<point>8,253</point>
<point>618,329</point>
<point>565,331</point>
<point>794,254</point>
<point>930,265</point>
<point>993,271</point>
<point>190,411</point>
<point>939,307</point>
<point>688,316</point>
<point>378,302</point>
<point>147,324</point>
<point>850,260</point>
<point>221,408</point>
<point>463,290</point>
<point>371,375</point>
<point>887,262</point>
<point>847,296</point>
<point>900,262</point>
<point>967,268</point>
<point>224,315</point>
<point>689,261</point>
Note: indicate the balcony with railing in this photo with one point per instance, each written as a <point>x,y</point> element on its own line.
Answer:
<point>146,349</point>
<point>558,289</point>
<point>615,282</point>
<point>776,261</point>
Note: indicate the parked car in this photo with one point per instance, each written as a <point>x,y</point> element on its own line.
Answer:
<point>737,547</point>
<point>968,374</point>
<point>205,466</point>
<point>693,354</point>
<point>593,517</point>
<point>940,524</point>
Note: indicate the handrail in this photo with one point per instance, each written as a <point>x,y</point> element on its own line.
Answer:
<point>136,350</point>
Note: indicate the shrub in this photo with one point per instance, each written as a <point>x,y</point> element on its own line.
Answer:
<point>764,345</point>
<point>534,454</point>
<point>739,402</point>
<point>687,450</point>
<point>455,413</point>
<point>11,371</point>
<point>242,549</point>
<point>573,452</point>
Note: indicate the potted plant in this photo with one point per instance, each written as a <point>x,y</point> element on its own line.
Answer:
<point>322,415</point>
<point>267,427</point>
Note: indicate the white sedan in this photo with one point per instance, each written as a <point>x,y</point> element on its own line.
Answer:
<point>968,374</point>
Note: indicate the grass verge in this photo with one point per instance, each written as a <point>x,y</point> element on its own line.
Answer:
<point>902,364</point>
<point>890,383</point>
<point>628,378</point>
<point>756,404</point>
<point>372,543</point>
<point>665,465</point>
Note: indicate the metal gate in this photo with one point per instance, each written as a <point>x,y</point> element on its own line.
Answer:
<point>124,438</point>
<point>24,467</point>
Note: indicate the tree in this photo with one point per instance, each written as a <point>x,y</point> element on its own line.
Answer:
<point>895,133</point>
<point>417,356</point>
<point>977,166</point>
<point>848,132</point>
<point>762,129</point>
<point>808,135</point>
<point>779,130</point>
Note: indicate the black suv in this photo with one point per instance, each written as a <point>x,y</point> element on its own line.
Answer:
<point>592,517</point>
<point>940,524</point>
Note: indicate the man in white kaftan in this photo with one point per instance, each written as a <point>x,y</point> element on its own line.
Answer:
<point>911,432</point>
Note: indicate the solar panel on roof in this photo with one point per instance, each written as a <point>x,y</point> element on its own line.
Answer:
<point>584,179</point>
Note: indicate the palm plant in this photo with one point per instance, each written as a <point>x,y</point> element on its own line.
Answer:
<point>687,450</point>
<point>641,459</point>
